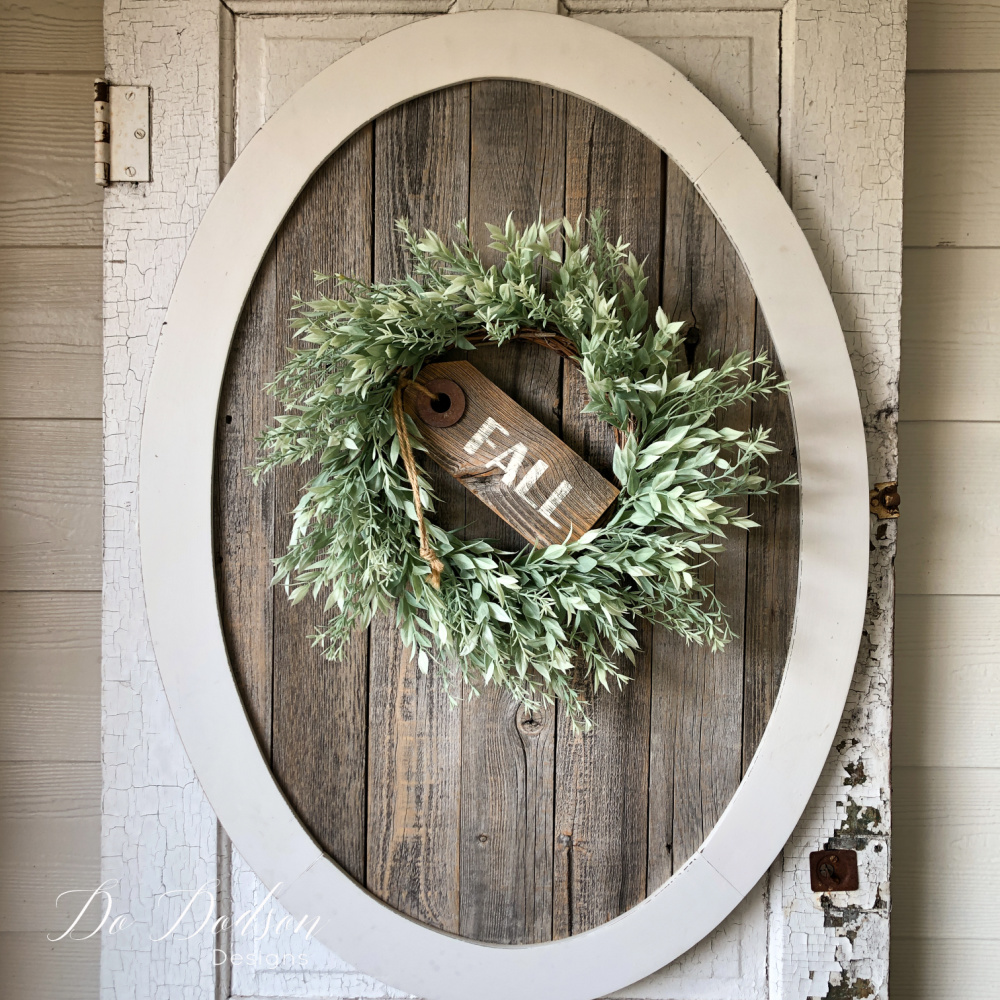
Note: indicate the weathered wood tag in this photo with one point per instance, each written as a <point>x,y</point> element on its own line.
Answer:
<point>502,454</point>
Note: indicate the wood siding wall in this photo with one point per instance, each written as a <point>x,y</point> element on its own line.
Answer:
<point>946,737</point>
<point>50,490</point>
<point>947,695</point>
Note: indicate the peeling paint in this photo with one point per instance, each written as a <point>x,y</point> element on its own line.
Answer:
<point>855,773</point>
<point>851,989</point>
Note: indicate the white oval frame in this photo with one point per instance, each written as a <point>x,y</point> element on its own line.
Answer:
<point>176,503</point>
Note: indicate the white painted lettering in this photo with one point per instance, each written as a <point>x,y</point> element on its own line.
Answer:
<point>514,457</point>
<point>530,478</point>
<point>557,497</point>
<point>482,436</point>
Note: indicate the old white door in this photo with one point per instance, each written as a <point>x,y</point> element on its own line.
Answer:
<point>828,128</point>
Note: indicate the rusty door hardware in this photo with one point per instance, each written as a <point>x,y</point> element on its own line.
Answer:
<point>833,871</point>
<point>121,133</point>
<point>884,500</point>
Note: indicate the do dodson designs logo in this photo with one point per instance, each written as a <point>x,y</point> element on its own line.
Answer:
<point>255,937</point>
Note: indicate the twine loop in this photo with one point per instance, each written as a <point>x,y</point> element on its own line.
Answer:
<point>427,552</point>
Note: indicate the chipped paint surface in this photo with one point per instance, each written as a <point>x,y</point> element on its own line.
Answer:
<point>842,170</point>
<point>158,831</point>
<point>846,190</point>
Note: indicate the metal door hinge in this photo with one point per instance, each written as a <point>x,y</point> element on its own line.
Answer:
<point>121,133</point>
<point>884,500</point>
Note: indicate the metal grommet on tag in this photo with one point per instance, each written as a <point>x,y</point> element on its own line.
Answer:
<point>445,407</point>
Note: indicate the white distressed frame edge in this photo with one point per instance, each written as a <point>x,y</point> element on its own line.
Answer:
<point>175,504</point>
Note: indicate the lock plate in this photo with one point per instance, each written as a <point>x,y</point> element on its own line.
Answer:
<point>834,871</point>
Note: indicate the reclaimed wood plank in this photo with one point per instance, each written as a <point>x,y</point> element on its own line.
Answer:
<point>517,166</point>
<point>52,35</point>
<point>414,772</point>
<point>772,552</point>
<point>518,148</point>
<point>697,693</point>
<point>50,676</point>
<point>602,778</point>
<point>50,512</point>
<point>50,332</point>
<point>244,513</point>
<point>320,743</point>
<point>49,197</point>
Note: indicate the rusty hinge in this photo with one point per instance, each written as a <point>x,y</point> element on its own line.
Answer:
<point>121,133</point>
<point>884,500</point>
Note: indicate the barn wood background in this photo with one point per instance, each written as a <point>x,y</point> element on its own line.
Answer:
<point>484,820</point>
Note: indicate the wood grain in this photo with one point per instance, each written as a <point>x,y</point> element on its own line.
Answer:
<point>50,825</point>
<point>772,564</point>
<point>50,333</point>
<point>52,35</point>
<point>50,677</point>
<point>602,779</point>
<point>50,512</point>
<point>517,167</point>
<point>518,151</point>
<point>46,161</point>
<point>949,541</point>
<point>952,145</point>
<point>244,514</point>
<point>414,777</point>
<point>414,763</point>
<point>951,347</point>
<point>320,741</point>
<point>698,694</point>
<point>947,682</point>
<point>545,514</point>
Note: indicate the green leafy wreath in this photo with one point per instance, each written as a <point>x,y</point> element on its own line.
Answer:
<point>543,623</point>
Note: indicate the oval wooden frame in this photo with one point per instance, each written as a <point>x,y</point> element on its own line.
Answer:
<point>176,467</point>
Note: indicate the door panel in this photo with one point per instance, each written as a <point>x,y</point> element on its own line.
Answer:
<point>731,56</point>
<point>841,172</point>
<point>478,818</point>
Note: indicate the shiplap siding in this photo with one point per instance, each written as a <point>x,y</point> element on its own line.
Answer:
<point>50,493</point>
<point>946,733</point>
<point>946,935</point>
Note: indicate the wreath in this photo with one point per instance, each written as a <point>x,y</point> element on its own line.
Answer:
<point>545,624</point>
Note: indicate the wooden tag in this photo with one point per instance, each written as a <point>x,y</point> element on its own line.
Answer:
<point>502,454</point>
